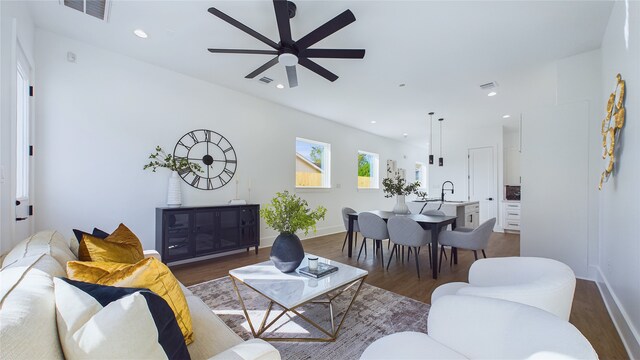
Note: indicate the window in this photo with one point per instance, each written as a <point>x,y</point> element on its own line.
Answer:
<point>313,164</point>
<point>22,127</point>
<point>368,165</point>
<point>421,174</point>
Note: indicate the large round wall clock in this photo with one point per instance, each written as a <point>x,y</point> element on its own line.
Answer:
<point>213,152</point>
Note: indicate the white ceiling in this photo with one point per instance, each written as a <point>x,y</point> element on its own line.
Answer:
<point>441,50</point>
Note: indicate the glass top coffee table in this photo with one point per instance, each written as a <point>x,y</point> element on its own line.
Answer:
<point>291,291</point>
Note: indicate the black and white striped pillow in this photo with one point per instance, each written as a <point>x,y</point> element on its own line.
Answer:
<point>106,322</point>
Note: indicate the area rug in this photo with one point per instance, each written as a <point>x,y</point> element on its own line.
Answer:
<point>374,314</point>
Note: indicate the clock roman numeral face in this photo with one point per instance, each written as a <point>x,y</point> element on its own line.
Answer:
<point>215,155</point>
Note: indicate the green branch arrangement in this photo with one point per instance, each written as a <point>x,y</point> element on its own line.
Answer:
<point>160,159</point>
<point>399,186</point>
<point>287,213</point>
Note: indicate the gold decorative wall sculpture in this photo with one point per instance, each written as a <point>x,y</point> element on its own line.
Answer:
<point>611,127</point>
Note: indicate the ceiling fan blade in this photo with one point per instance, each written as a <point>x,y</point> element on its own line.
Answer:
<point>317,69</point>
<point>240,51</point>
<point>243,27</point>
<point>282,17</point>
<point>326,29</point>
<point>292,76</point>
<point>262,68</point>
<point>334,53</point>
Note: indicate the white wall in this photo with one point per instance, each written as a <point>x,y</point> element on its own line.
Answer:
<point>559,177</point>
<point>99,119</point>
<point>619,200</point>
<point>16,26</point>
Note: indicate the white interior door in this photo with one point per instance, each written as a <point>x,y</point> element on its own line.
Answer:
<point>483,179</point>
<point>22,128</point>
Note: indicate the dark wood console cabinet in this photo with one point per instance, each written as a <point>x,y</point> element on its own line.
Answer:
<point>191,232</point>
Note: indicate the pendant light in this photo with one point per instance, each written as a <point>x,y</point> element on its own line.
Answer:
<point>431,138</point>
<point>441,159</point>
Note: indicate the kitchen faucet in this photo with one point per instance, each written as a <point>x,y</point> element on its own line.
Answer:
<point>443,189</point>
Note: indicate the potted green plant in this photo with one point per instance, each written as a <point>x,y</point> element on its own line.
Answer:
<point>399,187</point>
<point>288,214</point>
<point>160,159</point>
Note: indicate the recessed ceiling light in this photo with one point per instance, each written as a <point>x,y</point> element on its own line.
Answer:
<point>373,121</point>
<point>493,93</point>
<point>405,134</point>
<point>506,116</point>
<point>280,86</point>
<point>140,33</point>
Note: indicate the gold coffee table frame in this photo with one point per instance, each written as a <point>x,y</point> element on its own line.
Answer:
<point>264,326</point>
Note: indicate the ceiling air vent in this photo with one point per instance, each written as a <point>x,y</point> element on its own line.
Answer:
<point>96,8</point>
<point>265,79</point>
<point>489,85</point>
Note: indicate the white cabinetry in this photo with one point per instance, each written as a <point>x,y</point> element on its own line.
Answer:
<point>511,215</point>
<point>471,215</point>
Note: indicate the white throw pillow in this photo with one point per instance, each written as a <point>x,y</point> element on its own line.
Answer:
<point>105,322</point>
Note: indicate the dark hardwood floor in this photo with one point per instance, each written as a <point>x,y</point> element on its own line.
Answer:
<point>588,314</point>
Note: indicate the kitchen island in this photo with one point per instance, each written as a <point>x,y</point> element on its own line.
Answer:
<point>468,212</point>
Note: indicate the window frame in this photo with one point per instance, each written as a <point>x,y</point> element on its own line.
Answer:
<point>423,184</point>
<point>326,161</point>
<point>376,170</point>
<point>23,128</point>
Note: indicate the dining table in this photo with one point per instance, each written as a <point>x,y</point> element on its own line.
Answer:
<point>434,223</point>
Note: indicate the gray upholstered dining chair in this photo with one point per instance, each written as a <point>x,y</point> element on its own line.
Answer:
<point>356,229</point>
<point>470,239</point>
<point>404,231</point>
<point>372,227</point>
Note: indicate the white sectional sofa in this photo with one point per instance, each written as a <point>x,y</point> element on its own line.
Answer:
<point>28,327</point>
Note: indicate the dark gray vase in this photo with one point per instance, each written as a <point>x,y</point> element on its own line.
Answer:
<point>287,252</point>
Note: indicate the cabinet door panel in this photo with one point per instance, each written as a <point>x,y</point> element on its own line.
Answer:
<point>177,235</point>
<point>204,232</point>
<point>228,232</point>
<point>249,235</point>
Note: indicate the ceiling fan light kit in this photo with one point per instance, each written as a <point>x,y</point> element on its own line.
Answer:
<point>289,52</point>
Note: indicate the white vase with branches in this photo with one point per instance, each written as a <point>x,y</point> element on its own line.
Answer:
<point>160,159</point>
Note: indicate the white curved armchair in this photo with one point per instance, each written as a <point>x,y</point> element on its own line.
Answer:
<point>472,327</point>
<point>543,283</point>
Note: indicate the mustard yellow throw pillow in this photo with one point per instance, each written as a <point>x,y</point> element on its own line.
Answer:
<point>149,273</point>
<point>122,246</point>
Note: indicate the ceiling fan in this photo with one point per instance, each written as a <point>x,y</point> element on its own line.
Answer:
<point>289,52</point>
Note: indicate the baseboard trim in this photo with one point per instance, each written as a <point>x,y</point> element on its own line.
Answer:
<point>628,334</point>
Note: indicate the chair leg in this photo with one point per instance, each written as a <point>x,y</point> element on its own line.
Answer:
<point>440,262</point>
<point>429,256</point>
<point>345,240</point>
<point>364,245</point>
<point>450,259</point>
<point>445,255</point>
<point>394,249</point>
<point>388,244</point>
<point>475,254</point>
<point>483,254</point>
<point>355,241</point>
<point>415,251</point>
<point>381,254</point>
